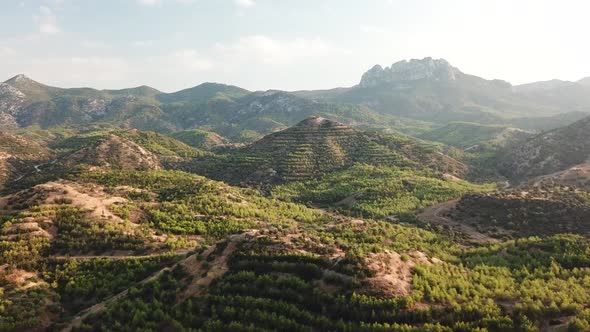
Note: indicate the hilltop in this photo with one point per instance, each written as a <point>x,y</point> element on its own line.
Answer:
<point>315,147</point>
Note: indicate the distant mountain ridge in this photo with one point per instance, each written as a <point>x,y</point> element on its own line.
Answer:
<point>566,95</point>
<point>412,70</point>
<point>433,90</point>
<point>550,152</point>
<point>430,91</point>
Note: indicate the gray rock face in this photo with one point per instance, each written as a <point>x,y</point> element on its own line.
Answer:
<point>405,71</point>
<point>94,107</point>
<point>11,100</point>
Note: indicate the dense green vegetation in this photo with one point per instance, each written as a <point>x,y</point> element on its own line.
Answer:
<point>82,283</point>
<point>187,253</point>
<point>373,191</point>
<point>265,291</point>
<point>466,135</point>
<point>191,204</point>
<point>199,138</point>
<point>77,233</point>
<point>527,211</point>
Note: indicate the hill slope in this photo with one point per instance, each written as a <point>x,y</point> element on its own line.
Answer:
<point>527,211</point>
<point>549,152</point>
<point>465,135</point>
<point>317,146</point>
<point>565,95</point>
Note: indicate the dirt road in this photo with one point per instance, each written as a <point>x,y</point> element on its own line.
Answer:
<point>436,215</point>
<point>178,252</point>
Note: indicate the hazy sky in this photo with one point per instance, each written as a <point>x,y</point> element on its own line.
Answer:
<point>286,44</point>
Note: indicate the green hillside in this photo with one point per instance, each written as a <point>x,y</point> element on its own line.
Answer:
<point>312,148</point>
<point>200,138</point>
<point>465,135</point>
<point>543,211</point>
<point>376,191</point>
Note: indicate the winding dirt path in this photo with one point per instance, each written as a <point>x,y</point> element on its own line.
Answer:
<point>202,272</point>
<point>178,252</point>
<point>99,307</point>
<point>436,215</point>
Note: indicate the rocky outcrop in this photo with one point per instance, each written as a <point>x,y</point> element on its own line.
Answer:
<point>11,100</point>
<point>413,70</point>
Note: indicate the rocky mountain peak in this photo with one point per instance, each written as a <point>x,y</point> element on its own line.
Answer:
<point>318,121</point>
<point>19,79</point>
<point>412,70</point>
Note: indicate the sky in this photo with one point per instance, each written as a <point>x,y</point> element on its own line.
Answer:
<point>286,44</point>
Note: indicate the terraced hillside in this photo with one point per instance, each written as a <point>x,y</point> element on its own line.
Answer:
<point>313,148</point>
<point>317,145</point>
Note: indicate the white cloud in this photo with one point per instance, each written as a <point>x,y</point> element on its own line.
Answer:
<point>95,44</point>
<point>46,20</point>
<point>372,29</point>
<point>143,43</point>
<point>73,71</point>
<point>190,60</point>
<point>7,51</point>
<point>266,50</point>
<point>149,2</point>
<point>245,3</point>
<point>242,62</point>
<point>153,3</point>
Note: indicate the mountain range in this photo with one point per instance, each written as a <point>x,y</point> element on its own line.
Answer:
<point>410,96</point>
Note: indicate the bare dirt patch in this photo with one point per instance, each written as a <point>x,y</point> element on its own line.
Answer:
<point>92,198</point>
<point>211,265</point>
<point>393,272</point>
